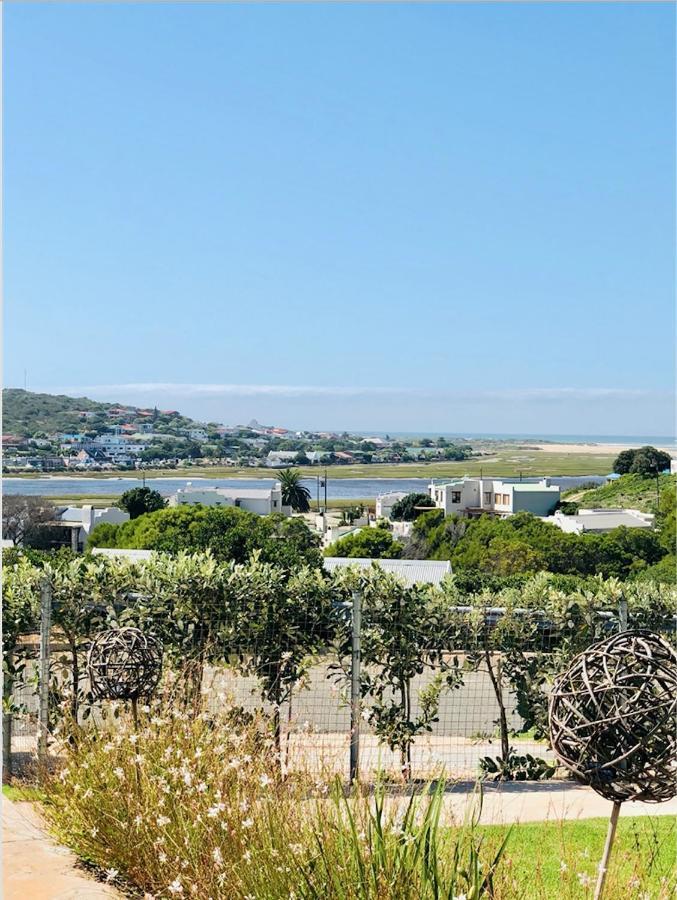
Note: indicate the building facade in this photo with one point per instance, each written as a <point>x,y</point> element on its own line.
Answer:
<point>500,497</point>
<point>262,501</point>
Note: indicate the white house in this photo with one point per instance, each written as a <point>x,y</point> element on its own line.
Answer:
<point>315,457</point>
<point>599,521</point>
<point>279,458</point>
<point>411,571</point>
<point>263,501</point>
<point>385,503</point>
<point>472,496</point>
<point>673,466</point>
<point>198,434</point>
<point>83,519</point>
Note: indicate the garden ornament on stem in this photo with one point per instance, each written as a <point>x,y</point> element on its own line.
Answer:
<point>612,722</point>
<point>124,664</point>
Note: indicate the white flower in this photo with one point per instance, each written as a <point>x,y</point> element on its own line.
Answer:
<point>247,823</point>
<point>584,880</point>
<point>175,887</point>
<point>460,897</point>
<point>201,788</point>
<point>213,811</point>
<point>187,778</point>
<point>133,738</point>
<point>265,780</point>
<point>87,794</point>
<point>95,831</point>
<point>111,874</point>
<point>217,856</point>
<point>162,857</point>
<point>119,773</point>
<point>634,882</point>
<point>246,856</point>
<point>138,759</point>
<point>563,866</point>
<point>137,821</point>
<point>162,821</point>
<point>244,806</point>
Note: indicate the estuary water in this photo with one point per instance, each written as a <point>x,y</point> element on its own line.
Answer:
<point>337,488</point>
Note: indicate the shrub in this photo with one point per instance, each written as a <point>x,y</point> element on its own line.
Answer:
<point>195,806</point>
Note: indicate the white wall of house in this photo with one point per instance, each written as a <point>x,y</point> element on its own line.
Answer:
<point>262,501</point>
<point>385,503</point>
<point>499,496</point>
<point>88,517</point>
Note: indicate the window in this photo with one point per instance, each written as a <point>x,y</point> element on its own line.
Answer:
<point>487,497</point>
<point>455,496</point>
<point>497,499</point>
<point>506,499</point>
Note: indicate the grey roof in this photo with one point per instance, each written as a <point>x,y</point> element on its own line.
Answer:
<point>603,521</point>
<point>411,571</point>
<point>122,553</point>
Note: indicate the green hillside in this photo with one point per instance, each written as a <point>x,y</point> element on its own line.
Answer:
<point>629,491</point>
<point>25,413</point>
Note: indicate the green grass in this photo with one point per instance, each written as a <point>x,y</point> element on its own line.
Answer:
<point>508,462</point>
<point>633,491</point>
<point>537,853</point>
<point>23,793</point>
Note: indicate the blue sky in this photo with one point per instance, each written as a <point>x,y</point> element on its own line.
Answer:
<point>398,217</point>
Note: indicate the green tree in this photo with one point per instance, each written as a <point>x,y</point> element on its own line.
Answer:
<point>408,508</point>
<point>370,543</point>
<point>294,493</point>
<point>229,533</point>
<point>140,500</point>
<point>404,633</point>
<point>643,461</point>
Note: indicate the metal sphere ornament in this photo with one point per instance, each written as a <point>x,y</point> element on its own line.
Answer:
<point>124,664</point>
<point>612,717</point>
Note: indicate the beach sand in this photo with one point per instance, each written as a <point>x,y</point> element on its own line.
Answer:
<point>597,449</point>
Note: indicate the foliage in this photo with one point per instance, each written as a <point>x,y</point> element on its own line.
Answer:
<point>369,543</point>
<point>405,510</point>
<point>138,501</point>
<point>630,491</point>
<point>25,518</point>
<point>404,632</point>
<point>227,532</point>
<point>194,806</point>
<point>277,624</point>
<point>517,767</point>
<point>294,493</point>
<point>643,461</point>
<point>524,544</point>
<point>350,514</point>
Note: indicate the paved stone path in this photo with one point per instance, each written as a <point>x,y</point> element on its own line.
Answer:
<point>35,868</point>
<point>539,801</point>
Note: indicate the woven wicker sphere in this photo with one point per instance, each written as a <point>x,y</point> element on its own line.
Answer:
<point>612,717</point>
<point>124,664</point>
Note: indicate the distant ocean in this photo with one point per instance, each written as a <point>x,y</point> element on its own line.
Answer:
<point>633,439</point>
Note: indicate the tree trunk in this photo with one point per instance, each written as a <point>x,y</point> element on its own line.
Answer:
<point>502,718</point>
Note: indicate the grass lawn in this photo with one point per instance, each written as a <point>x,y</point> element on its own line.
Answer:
<point>18,793</point>
<point>552,859</point>
<point>508,462</point>
<point>633,491</point>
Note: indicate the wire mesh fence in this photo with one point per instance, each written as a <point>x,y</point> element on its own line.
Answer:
<point>474,693</point>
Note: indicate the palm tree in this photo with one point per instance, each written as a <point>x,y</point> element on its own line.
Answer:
<point>294,493</point>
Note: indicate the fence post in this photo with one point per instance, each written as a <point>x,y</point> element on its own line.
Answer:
<point>355,687</point>
<point>622,614</point>
<point>8,686</point>
<point>45,628</point>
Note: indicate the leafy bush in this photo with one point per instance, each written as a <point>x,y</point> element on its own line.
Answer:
<point>516,767</point>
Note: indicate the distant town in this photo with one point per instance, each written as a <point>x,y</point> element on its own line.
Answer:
<point>46,433</point>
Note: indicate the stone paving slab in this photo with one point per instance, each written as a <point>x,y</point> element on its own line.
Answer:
<point>543,801</point>
<point>35,868</point>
